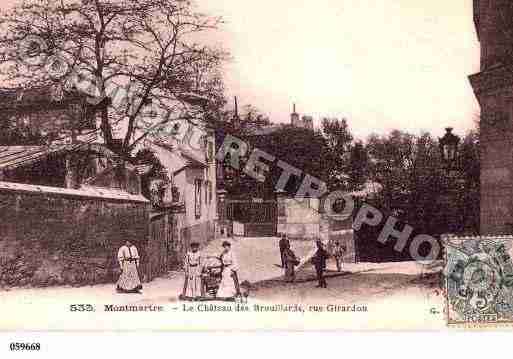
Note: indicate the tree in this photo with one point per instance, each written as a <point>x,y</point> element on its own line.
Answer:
<point>358,166</point>
<point>140,60</point>
<point>407,167</point>
<point>416,187</point>
<point>339,142</point>
<point>298,147</point>
<point>157,170</point>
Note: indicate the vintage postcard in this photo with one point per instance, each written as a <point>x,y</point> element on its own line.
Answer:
<point>174,165</point>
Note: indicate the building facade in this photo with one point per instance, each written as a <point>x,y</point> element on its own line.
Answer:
<point>304,121</point>
<point>493,87</point>
<point>191,167</point>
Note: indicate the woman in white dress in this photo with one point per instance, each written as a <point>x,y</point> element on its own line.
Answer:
<point>128,258</point>
<point>193,266</point>
<point>229,286</point>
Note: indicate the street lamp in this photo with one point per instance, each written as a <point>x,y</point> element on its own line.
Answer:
<point>449,148</point>
<point>452,219</point>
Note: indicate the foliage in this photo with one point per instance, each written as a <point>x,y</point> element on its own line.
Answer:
<point>338,139</point>
<point>157,171</point>
<point>297,147</point>
<point>415,187</point>
<point>140,57</point>
<point>358,166</point>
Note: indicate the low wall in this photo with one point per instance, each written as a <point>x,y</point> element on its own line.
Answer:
<point>304,219</point>
<point>299,219</point>
<point>54,236</point>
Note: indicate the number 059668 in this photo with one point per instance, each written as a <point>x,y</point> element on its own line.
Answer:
<point>24,346</point>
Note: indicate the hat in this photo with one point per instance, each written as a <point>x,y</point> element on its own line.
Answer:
<point>195,244</point>
<point>226,244</point>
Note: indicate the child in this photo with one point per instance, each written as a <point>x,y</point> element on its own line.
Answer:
<point>338,253</point>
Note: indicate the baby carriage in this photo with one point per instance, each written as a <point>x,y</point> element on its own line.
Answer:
<point>211,278</point>
<point>212,274</point>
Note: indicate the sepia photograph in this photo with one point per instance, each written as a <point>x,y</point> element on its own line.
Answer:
<point>235,165</point>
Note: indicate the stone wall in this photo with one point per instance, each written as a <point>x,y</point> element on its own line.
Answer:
<point>304,219</point>
<point>299,218</point>
<point>493,87</point>
<point>54,236</point>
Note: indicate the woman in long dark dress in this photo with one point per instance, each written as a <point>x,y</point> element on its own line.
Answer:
<point>291,262</point>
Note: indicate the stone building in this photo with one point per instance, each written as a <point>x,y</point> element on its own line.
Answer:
<point>493,87</point>
<point>303,122</point>
<point>190,165</point>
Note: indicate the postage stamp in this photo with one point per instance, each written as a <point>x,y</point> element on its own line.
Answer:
<point>479,280</point>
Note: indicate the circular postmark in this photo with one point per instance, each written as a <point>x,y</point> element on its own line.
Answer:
<point>479,282</point>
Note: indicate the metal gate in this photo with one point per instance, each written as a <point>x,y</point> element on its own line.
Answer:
<point>253,219</point>
<point>161,237</point>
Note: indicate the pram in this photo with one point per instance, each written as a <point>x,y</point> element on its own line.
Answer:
<point>212,274</point>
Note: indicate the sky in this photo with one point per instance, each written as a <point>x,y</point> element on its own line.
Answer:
<point>382,64</point>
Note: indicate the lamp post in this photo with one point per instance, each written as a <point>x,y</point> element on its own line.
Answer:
<point>449,150</point>
<point>448,144</point>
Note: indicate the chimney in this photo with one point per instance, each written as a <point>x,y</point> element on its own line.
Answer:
<point>236,118</point>
<point>294,117</point>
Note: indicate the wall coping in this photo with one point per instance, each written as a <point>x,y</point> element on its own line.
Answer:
<point>88,192</point>
<point>481,237</point>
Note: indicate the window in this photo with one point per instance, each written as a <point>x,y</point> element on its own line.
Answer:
<point>197,198</point>
<point>208,192</point>
<point>203,142</point>
<point>210,152</point>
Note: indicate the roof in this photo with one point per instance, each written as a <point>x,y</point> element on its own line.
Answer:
<point>193,158</point>
<point>167,157</point>
<point>263,131</point>
<point>47,95</point>
<point>17,156</point>
<point>85,191</point>
<point>176,157</point>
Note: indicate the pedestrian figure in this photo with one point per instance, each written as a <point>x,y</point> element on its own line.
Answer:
<point>319,261</point>
<point>284,243</point>
<point>128,258</point>
<point>229,286</point>
<point>291,262</point>
<point>329,246</point>
<point>338,252</point>
<point>193,267</point>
